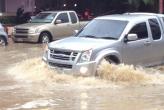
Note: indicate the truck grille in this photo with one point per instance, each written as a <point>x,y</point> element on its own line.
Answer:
<point>21,36</point>
<point>63,55</point>
<point>60,65</point>
<point>21,31</point>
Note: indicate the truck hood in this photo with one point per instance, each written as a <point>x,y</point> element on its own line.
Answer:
<point>80,44</point>
<point>30,25</point>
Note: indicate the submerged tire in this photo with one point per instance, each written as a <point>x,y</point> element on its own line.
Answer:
<point>45,37</point>
<point>101,63</point>
<point>3,41</point>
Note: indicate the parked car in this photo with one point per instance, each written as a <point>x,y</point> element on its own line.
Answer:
<point>3,36</point>
<point>48,26</point>
<point>128,38</point>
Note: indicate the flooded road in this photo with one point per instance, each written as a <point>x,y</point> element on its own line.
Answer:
<point>28,84</point>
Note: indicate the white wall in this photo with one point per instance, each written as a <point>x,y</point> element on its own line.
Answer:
<point>13,5</point>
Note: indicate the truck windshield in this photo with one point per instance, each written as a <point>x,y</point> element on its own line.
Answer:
<point>43,18</point>
<point>103,29</point>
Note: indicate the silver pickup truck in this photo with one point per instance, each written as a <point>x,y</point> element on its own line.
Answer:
<point>48,26</point>
<point>136,39</point>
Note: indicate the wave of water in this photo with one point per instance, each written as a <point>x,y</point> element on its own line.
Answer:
<point>34,104</point>
<point>35,70</point>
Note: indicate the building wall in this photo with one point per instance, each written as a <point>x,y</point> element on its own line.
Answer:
<point>11,6</point>
<point>98,7</point>
<point>2,5</point>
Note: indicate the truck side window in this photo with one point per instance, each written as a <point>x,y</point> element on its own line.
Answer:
<point>141,30</point>
<point>73,17</point>
<point>63,17</point>
<point>155,29</point>
<point>162,19</point>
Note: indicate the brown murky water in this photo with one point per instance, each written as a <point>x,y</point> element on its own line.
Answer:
<point>26,83</point>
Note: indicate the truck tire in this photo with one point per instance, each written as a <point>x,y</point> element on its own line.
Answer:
<point>100,63</point>
<point>3,41</point>
<point>108,60</point>
<point>45,37</point>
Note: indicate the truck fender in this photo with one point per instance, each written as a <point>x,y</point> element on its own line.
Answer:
<point>108,53</point>
<point>46,31</point>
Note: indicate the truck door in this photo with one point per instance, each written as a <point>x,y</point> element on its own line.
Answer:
<point>62,29</point>
<point>75,25</point>
<point>157,51</point>
<point>137,52</point>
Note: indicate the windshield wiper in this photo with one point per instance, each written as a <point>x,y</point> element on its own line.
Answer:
<point>92,36</point>
<point>89,36</point>
<point>108,38</point>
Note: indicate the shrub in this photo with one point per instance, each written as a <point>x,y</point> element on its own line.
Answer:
<point>8,20</point>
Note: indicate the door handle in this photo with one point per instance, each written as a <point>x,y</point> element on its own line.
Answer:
<point>147,43</point>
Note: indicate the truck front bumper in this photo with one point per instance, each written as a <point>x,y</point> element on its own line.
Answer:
<point>26,37</point>
<point>84,69</point>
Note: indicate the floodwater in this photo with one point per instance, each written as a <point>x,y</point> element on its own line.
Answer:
<point>26,83</point>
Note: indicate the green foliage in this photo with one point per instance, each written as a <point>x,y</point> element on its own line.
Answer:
<point>149,1</point>
<point>8,20</point>
<point>137,2</point>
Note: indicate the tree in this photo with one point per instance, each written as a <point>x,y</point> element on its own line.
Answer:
<point>149,1</point>
<point>137,2</point>
<point>143,3</point>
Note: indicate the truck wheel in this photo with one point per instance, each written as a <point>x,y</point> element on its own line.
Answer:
<point>100,64</point>
<point>44,37</point>
<point>3,41</point>
<point>108,60</point>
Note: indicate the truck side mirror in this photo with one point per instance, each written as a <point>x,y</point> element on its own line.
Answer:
<point>130,37</point>
<point>58,21</point>
<point>29,21</point>
<point>32,17</point>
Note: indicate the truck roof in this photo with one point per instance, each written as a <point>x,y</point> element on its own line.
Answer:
<point>127,17</point>
<point>148,14</point>
<point>57,11</point>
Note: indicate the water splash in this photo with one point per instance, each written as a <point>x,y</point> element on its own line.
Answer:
<point>35,104</point>
<point>35,70</point>
<point>131,74</point>
<point>121,73</point>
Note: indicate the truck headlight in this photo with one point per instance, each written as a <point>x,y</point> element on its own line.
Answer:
<point>86,55</point>
<point>33,31</point>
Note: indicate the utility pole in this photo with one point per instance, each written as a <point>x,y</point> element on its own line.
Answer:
<point>160,6</point>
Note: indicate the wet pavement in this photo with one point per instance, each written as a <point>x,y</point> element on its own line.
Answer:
<point>28,84</point>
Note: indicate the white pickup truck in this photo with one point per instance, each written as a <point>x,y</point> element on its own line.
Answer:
<point>134,38</point>
<point>48,26</point>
